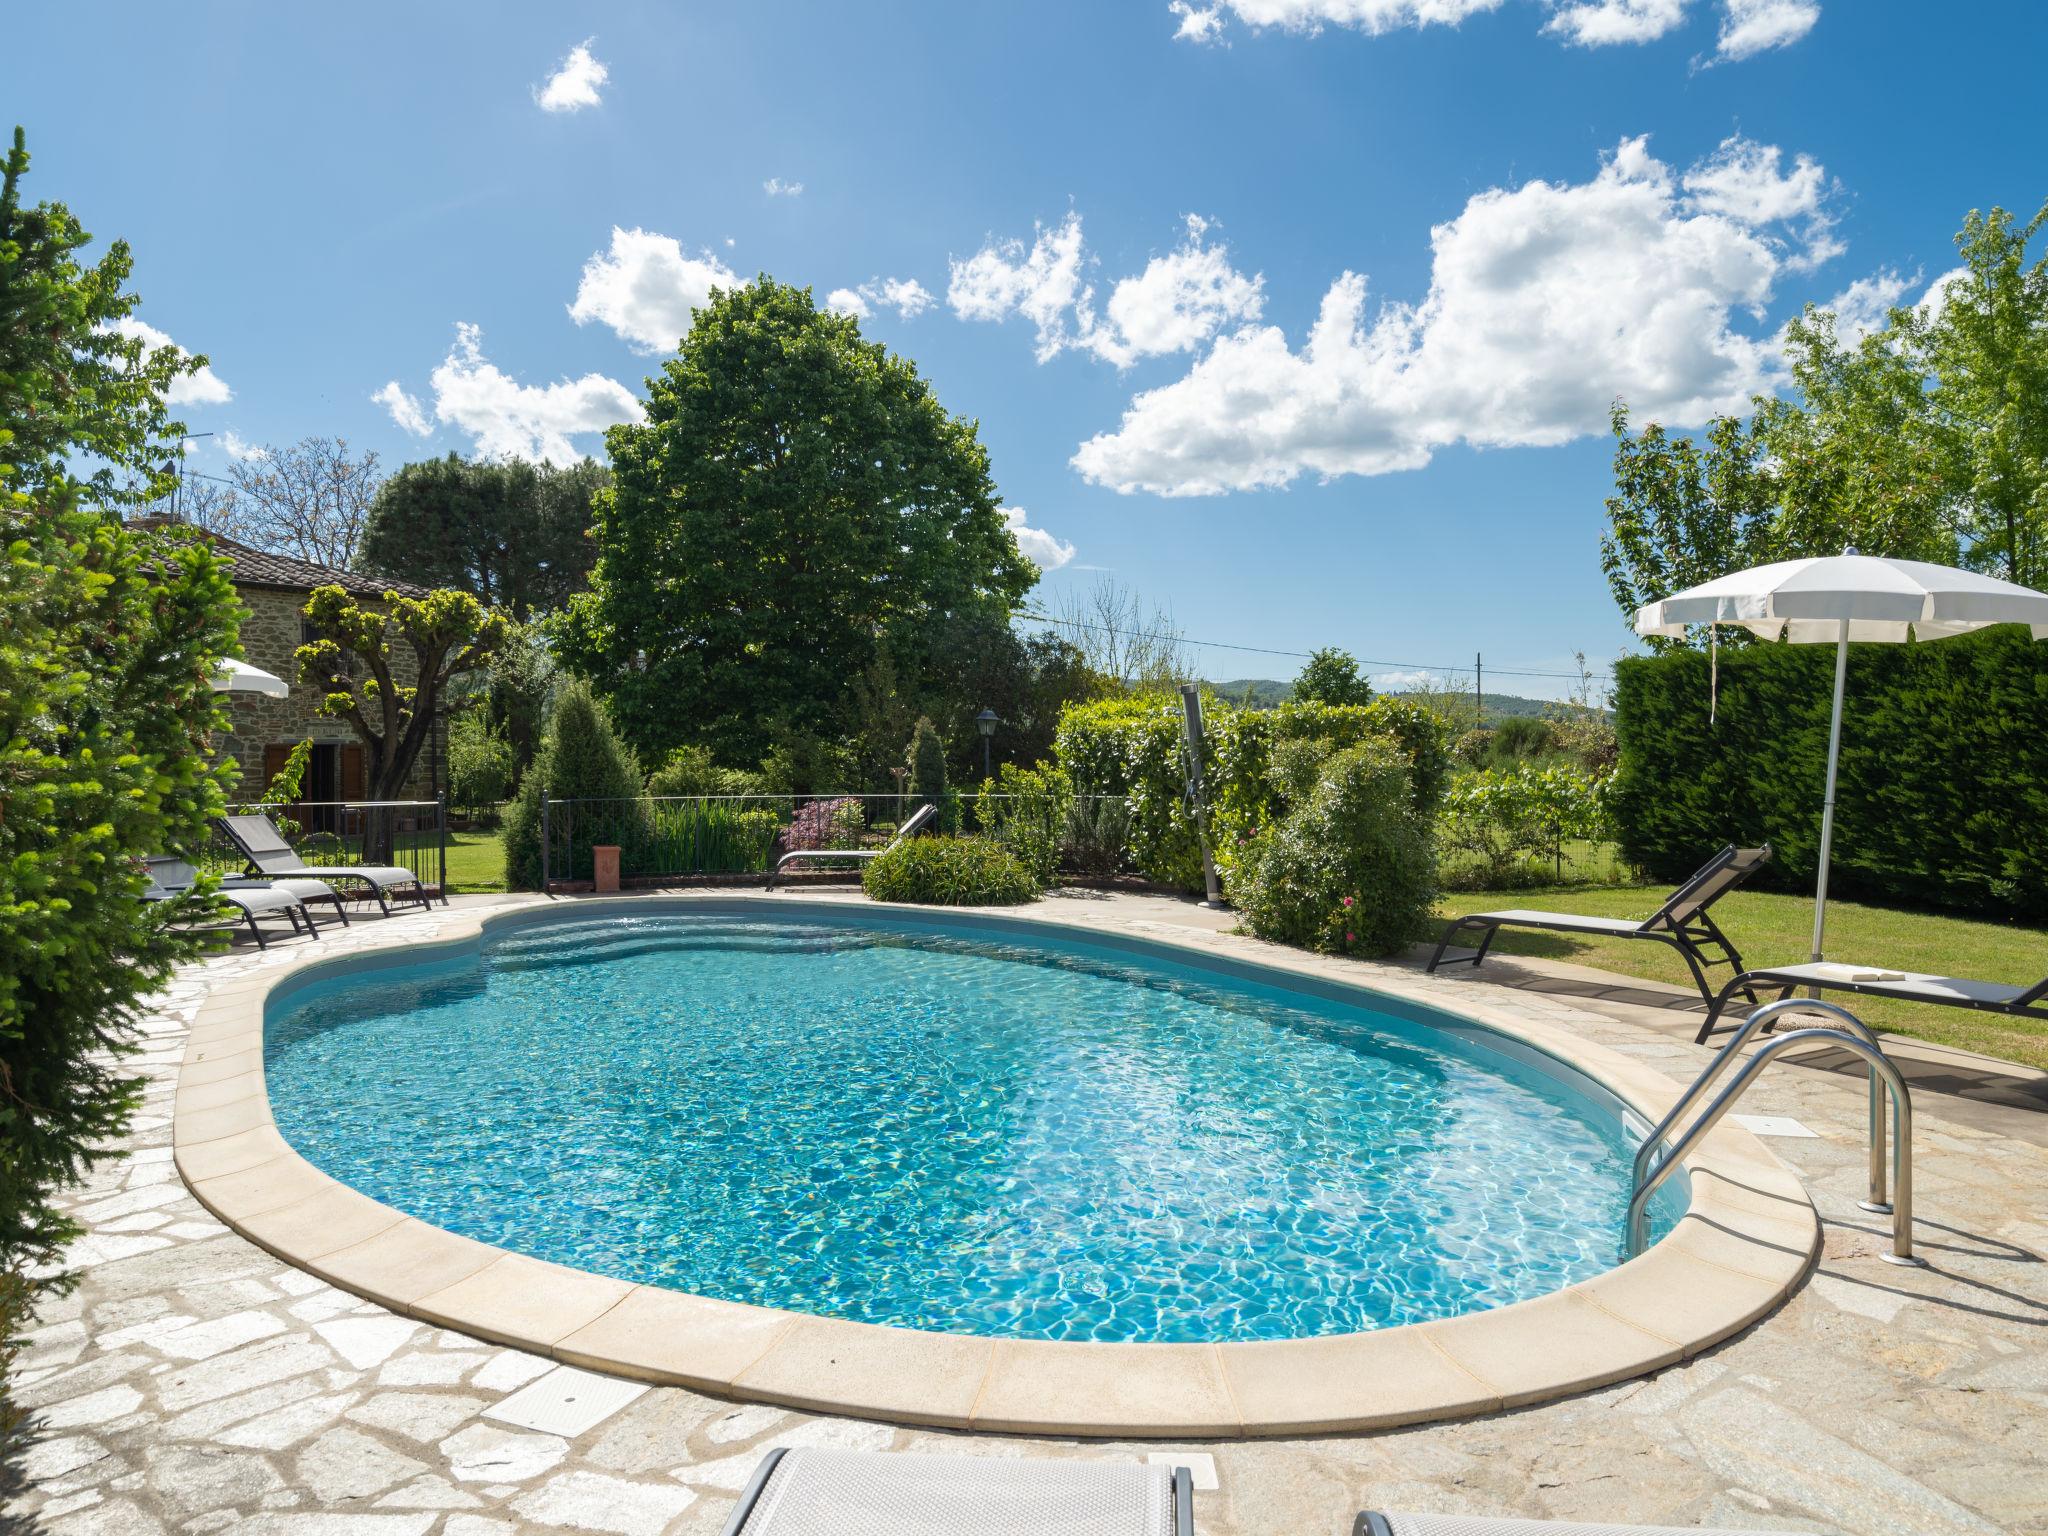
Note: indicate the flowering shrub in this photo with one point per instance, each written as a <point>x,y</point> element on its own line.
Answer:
<point>1501,817</point>
<point>1351,869</point>
<point>825,824</point>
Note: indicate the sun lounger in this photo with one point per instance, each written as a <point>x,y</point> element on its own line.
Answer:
<point>1389,1523</point>
<point>1682,922</point>
<point>270,855</point>
<point>170,879</point>
<point>919,819</point>
<point>311,893</point>
<point>1872,981</point>
<point>864,1493</point>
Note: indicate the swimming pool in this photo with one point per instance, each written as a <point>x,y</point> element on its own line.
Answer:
<point>954,1126</point>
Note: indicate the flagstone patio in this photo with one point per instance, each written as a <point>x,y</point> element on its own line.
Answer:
<point>194,1383</point>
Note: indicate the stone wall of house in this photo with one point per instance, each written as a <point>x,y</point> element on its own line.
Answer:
<point>272,633</point>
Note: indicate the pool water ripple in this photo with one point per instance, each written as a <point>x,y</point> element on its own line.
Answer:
<point>965,1133</point>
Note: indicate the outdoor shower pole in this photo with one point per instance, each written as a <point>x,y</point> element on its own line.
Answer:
<point>1191,733</point>
<point>1827,805</point>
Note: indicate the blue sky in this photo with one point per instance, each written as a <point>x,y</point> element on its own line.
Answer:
<point>1129,226</point>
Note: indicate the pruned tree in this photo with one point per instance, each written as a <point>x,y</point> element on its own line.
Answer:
<point>351,663</point>
<point>309,500</point>
<point>514,535</point>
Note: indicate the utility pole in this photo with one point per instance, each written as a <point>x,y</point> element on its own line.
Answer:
<point>1479,689</point>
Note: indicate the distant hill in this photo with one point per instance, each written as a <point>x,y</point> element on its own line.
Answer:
<point>1264,693</point>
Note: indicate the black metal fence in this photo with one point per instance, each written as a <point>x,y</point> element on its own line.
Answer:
<point>677,837</point>
<point>338,832</point>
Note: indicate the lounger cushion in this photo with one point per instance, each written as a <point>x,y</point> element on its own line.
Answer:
<point>303,890</point>
<point>841,1493</point>
<point>1564,920</point>
<point>257,899</point>
<point>1911,985</point>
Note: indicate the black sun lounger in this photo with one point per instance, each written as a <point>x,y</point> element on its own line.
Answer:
<point>796,1492</point>
<point>171,879</point>
<point>269,854</point>
<point>1904,986</point>
<point>1682,922</point>
<point>922,817</point>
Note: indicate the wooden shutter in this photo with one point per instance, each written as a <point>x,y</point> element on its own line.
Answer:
<point>352,773</point>
<point>274,759</point>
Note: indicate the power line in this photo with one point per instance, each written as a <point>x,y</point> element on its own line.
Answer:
<point>1266,650</point>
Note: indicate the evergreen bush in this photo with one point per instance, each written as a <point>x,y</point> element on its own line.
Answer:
<point>581,759</point>
<point>948,872</point>
<point>1025,809</point>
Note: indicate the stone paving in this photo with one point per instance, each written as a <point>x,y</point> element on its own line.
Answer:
<point>193,1383</point>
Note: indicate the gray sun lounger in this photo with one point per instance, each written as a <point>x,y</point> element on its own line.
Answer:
<point>1904,986</point>
<point>272,857</point>
<point>1682,922</point>
<point>172,879</point>
<point>919,819</point>
<point>1390,1523</point>
<point>807,1492</point>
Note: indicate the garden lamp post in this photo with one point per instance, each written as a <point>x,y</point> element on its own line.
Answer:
<point>987,721</point>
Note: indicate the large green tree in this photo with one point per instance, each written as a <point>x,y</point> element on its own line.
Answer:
<point>1684,512</point>
<point>1985,351</point>
<point>108,638</point>
<point>796,501</point>
<point>515,536</point>
<point>1926,439</point>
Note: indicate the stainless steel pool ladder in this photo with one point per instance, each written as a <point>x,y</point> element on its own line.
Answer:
<point>1853,1036</point>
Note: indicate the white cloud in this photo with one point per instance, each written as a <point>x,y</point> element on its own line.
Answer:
<point>1545,303</point>
<point>1747,26</point>
<point>1752,26</point>
<point>1935,299</point>
<point>234,447</point>
<point>775,186</point>
<point>906,295</point>
<point>1862,308</point>
<point>1038,546</point>
<point>1041,283</point>
<point>575,84</point>
<point>202,388</point>
<point>644,288</point>
<point>1201,23</point>
<point>1405,682</point>
<point>1178,302</point>
<point>1594,23</point>
<point>510,420</point>
<point>1742,181</point>
<point>1198,23</point>
<point>404,409</point>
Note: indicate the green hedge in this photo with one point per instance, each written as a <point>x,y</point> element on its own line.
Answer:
<point>1943,796</point>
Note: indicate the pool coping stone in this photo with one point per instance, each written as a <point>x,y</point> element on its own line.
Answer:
<point>1747,1240</point>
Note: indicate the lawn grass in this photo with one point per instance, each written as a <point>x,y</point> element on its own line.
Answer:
<point>1773,929</point>
<point>476,861</point>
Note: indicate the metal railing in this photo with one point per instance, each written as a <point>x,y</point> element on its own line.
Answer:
<point>1858,1040</point>
<point>338,832</point>
<point>662,837</point>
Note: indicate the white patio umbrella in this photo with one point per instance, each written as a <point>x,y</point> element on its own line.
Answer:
<point>1840,598</point>
<point>233,676</point>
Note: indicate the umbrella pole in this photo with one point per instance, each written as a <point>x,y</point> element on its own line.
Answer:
<point>1827,805</point>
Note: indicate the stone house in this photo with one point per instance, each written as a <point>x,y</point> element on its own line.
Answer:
<point>274,588</point>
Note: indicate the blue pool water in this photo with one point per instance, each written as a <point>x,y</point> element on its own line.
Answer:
<point>944,1128</point>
